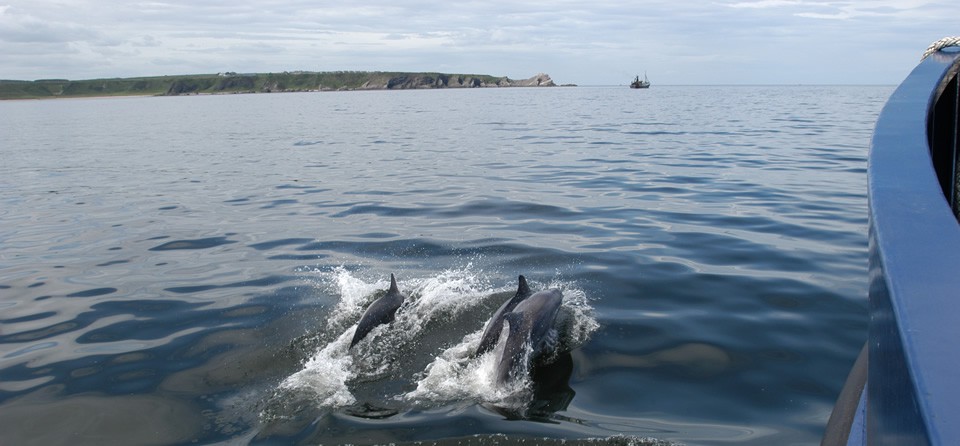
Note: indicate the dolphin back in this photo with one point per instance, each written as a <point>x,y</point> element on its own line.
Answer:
<point>491,334</point>
<point>543,308</point>
<point>381,311</point>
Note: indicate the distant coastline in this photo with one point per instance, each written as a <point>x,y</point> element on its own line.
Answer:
<point>235,83</point>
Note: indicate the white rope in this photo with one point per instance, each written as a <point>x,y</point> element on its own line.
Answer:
<point>941,44</point>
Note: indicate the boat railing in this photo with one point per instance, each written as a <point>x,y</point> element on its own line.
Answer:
<point>912,392</point>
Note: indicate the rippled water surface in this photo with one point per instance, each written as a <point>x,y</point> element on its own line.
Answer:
<point>191,269</point>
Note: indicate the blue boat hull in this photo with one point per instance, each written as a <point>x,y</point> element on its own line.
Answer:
<point>912,357</point>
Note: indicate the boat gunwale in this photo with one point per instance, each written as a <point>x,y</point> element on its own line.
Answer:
<point>914,246</point>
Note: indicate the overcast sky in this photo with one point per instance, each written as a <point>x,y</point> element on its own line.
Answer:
<point>584,42</point>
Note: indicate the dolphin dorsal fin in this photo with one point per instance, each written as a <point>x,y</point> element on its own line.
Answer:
<point>393,284</point>
<point>523,289</point>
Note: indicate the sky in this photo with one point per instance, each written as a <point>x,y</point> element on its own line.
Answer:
<point>595,42</point>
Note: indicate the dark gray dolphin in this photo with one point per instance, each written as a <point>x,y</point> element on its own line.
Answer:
<point>381,311</point>
<point>528,324</point>
<point>491,334</point>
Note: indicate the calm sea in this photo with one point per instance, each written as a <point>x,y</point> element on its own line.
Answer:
<point>189,270</point>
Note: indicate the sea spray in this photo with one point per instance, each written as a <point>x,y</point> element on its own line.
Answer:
<point>457,375</point>
<point>355,294</point>
<point>325,374</point>
<point>399,364</point>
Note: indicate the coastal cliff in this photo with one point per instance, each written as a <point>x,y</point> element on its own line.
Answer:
<point>407,81</point>
<point>229,82</point>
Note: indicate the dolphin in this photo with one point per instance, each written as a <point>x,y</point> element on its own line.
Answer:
<point>381,311</point>
<point>491,334</point>
<point>528,324</point>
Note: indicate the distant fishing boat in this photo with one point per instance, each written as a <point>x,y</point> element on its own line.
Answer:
<point>637,83</point>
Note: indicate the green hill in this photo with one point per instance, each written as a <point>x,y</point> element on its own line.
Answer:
<point>254,83</point>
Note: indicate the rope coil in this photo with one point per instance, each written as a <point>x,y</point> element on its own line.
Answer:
<point>941,44</point>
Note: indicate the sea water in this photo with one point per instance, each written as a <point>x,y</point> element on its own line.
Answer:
<point>190,269</point>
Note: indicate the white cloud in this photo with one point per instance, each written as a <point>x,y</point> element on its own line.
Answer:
<point>765,4</point>
<point>600,41</point>
<point>25,28</point>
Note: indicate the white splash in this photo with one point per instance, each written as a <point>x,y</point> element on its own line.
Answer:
<point>454,375</point>
<point>355,295</point>
<point>576,320</point>
<point>326,374</point>
<point>451,292</point>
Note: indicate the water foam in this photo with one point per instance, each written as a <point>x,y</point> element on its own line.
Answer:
<point>456,375</point>
<point>438,310</point>
<point>354,294</point>
<point>326,374</point>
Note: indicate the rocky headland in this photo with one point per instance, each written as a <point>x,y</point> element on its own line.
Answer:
<point>408,81</point>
